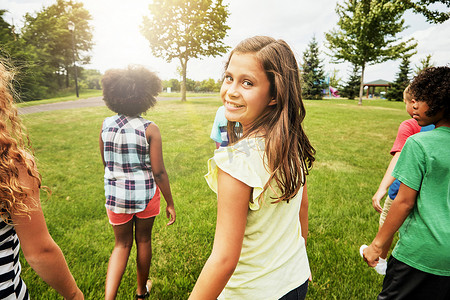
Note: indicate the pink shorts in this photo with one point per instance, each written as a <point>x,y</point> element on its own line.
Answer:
<point>151,210</point>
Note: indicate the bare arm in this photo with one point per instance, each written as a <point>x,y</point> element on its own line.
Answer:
<point>304,220</point>
<point>400,209</point>
<point>304,213</point>
<point>159,171</point>
<point>100,143</point>
<point>38,247</point>
<point>232,209</point>
<point>385,183</point>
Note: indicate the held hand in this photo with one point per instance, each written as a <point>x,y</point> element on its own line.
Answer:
<point>371,255</point>
<point>170,213</point>
<point>376,201</point>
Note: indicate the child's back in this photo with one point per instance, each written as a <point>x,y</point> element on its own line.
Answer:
<point>129,183</point>
<point>131,150</point>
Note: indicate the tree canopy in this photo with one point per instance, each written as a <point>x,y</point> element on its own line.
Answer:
<point>424,63</point>
<point>42,49</point>
<point>48,30</point>
<point>179,29</point>
<point>423,7</point>
<point>367,34</point>
<point>6,30</point>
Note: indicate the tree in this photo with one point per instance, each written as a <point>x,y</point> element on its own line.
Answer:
<point>395,91</point>
<point>424,63</point>
<point>23,57</point>
<point>29,81</point>
<point>422,7</point>
<point>313,75</point>
<point>186,29</point>
<point>6,30</point>
<point>367,34</point>
<point>334,78</point>
<point>208,85</point>
<point>90,79</point>
<point>191,85</point>
<point>47,30</point>
<point>173,84</point>
<point>351,88</point>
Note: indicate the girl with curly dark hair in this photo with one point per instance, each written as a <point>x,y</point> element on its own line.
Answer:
<point>131,151</point>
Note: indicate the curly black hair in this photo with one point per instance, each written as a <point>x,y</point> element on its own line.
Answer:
<point>432,85</point>
<point>130,91</point>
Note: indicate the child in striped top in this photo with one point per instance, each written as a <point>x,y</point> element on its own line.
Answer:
<point>22,222</point>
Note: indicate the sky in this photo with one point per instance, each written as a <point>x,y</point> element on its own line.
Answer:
<point>119,43</point>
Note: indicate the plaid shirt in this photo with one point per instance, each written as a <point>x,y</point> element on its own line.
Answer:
<point>129,183</point>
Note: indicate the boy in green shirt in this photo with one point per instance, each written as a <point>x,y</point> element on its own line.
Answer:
<point>419,267</point>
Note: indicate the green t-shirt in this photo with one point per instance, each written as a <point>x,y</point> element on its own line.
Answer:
<point>424,165</point>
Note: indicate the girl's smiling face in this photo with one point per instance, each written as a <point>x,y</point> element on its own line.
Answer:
<point>245,89</point>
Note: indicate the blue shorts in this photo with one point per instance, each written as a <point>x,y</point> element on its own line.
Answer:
<point>297,293</point>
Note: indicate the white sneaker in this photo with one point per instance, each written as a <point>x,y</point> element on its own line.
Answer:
<point>361,249</point>
<point>381,266</point>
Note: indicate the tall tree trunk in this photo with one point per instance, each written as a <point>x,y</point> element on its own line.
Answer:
<point>67,78</point>
<point>361,85</point>
<point>183,80</point>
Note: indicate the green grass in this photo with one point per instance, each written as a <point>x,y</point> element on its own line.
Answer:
<point>352,144</point>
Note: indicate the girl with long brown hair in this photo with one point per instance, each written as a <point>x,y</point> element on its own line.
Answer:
<point>259,249</point>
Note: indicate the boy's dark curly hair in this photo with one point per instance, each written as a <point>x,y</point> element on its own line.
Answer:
<point>432,86</point>
<point>130,91</point>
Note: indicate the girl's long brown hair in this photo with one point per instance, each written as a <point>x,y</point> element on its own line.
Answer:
<point>289,153</point>
<point>12,150</point>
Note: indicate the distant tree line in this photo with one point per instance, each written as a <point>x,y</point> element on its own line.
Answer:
<point>44,50</point>
<point>205,86</point>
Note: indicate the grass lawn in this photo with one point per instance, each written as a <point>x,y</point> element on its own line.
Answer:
<point>352,146</point>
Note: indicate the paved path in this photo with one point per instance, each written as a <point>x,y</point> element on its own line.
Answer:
<point>89,102</point>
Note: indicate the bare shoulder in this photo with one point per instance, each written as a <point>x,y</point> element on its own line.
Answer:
<point>28,177</point>
<point>152,131</point>
<point>22,166</point>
